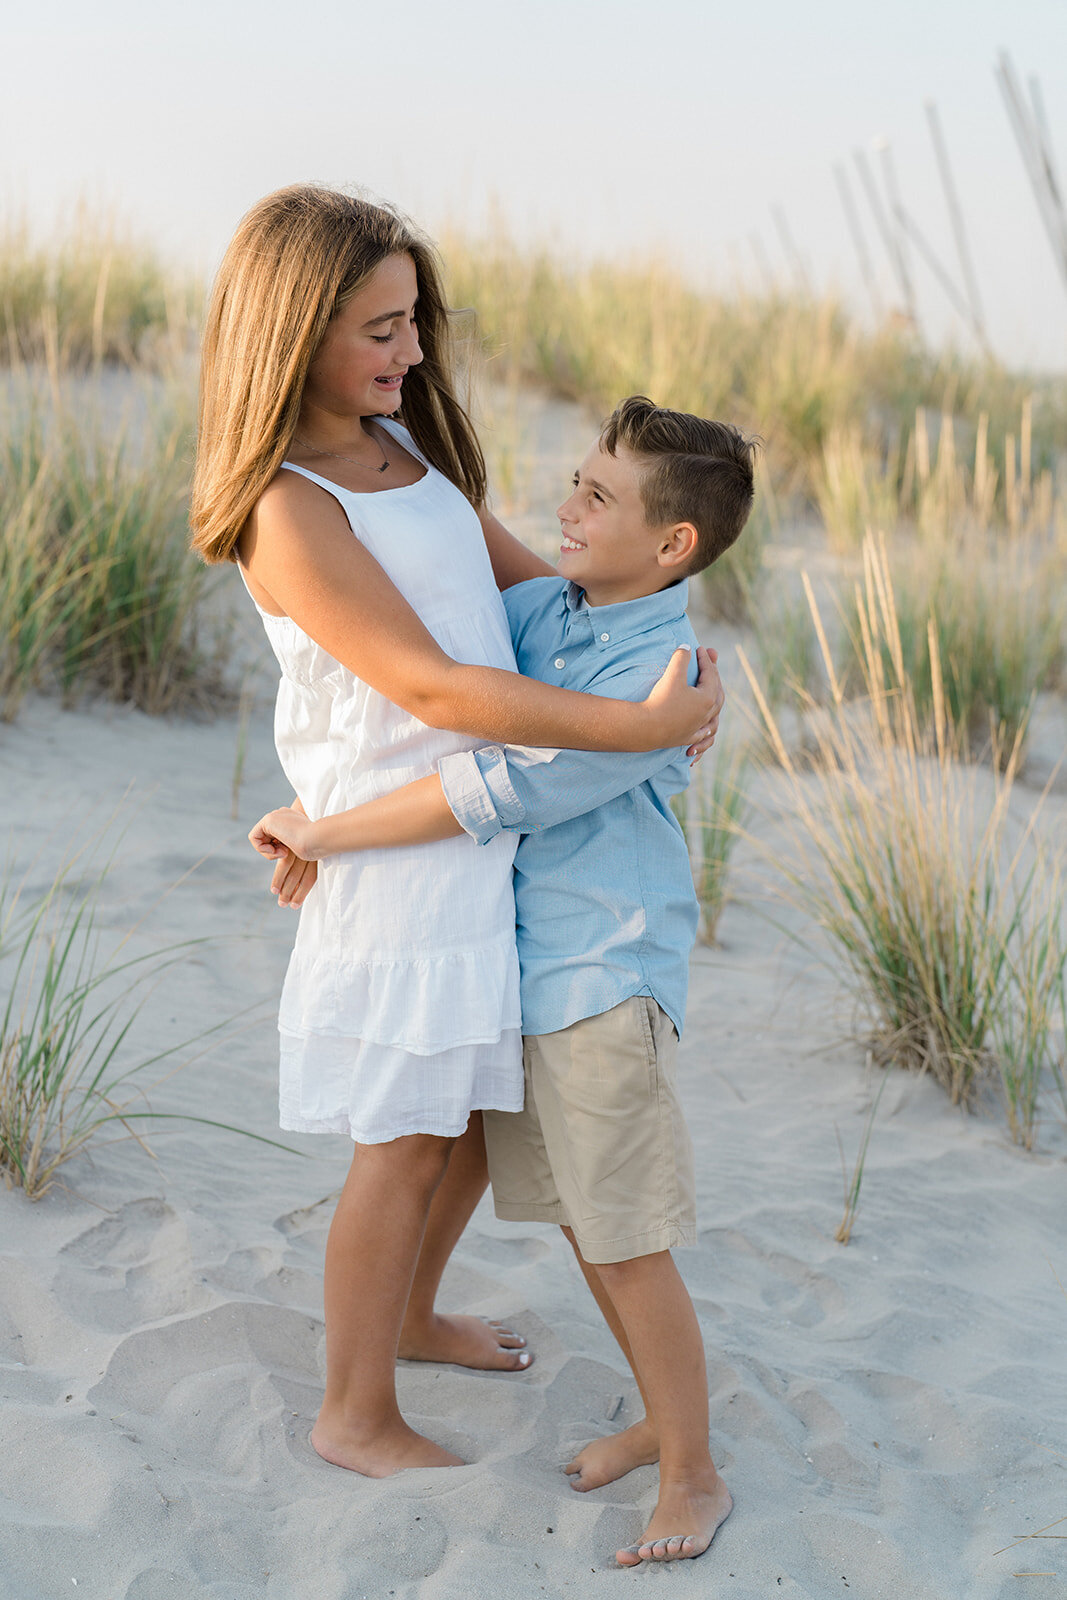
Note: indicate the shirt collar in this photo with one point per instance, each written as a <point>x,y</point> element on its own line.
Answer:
<point>630,617</point>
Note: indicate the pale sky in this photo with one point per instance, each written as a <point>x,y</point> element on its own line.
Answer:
<point>607,127</point>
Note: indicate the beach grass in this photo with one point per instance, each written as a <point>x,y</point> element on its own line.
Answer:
<point>922,479</point>
<point>786,646</point>
<point>998,618</point>
<point>867,427</point>
<point>98,592</point>
<point>71,1066</point>
<point>63,1073</point>
<point>800,371</point>
<point>854,487</point>
<point>89,293</point>
<point>942,906</point>
<point>853,1182</point>
<point>713,817</point>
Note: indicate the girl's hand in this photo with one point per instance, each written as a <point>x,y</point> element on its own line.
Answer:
<point>293,879</point>
<point>684,715</point>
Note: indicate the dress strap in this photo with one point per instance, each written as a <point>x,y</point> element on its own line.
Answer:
<point>396,430</point>
<point>306,472</point>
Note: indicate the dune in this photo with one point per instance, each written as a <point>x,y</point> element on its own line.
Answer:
<point>889,1416</point>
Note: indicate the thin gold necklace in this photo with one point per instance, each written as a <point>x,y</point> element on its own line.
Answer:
<point>333,454</point>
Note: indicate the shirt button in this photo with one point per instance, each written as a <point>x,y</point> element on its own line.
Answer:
<point>604,637</point>
<point>559,662</point>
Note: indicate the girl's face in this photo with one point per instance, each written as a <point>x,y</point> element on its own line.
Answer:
<point>359,367</point>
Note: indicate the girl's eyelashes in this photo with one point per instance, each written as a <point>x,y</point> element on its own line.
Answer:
<point>387,338</point>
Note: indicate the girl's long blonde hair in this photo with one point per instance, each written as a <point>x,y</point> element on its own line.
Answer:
<point>294,262</point>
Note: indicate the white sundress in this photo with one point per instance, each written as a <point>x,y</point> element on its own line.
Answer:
<point>400,1008</point>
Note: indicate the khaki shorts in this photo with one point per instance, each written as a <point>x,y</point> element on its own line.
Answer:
<point>600,1144</point>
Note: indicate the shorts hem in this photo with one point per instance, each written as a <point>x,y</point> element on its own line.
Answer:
<point>507,1211</point>
<point>603,1252</point>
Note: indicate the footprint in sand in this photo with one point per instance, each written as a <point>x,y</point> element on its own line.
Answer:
<point>852,1481</point>
<point>218,1389</point>
<point>138,1260</point>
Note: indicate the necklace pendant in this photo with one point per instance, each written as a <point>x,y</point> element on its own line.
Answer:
<point>335,456</point>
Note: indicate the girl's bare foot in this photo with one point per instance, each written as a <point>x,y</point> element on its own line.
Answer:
<point>378,1453</point>
<point>683,1524</point>
<point>614,1456</point>
<point>466,1342</point>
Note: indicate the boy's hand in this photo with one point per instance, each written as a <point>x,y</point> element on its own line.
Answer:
<point>282,836</point>
<point>280,831</point>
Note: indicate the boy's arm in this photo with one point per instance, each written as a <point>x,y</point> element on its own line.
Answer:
<point>415,814</point>
<point>479,792</point>
<point>519,789</point>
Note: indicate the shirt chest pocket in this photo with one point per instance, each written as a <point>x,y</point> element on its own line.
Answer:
<point>641,678</point>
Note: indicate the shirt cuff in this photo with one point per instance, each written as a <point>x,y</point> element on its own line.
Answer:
<point>479,792</point>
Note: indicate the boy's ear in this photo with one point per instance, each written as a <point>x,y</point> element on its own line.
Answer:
<point>678,545</point>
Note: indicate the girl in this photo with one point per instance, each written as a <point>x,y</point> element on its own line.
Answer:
<point>377,581</point>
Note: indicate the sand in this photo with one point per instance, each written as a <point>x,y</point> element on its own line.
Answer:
<point>889,1416</point>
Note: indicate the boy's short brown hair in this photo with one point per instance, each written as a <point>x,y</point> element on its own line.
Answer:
<point>694,470</point>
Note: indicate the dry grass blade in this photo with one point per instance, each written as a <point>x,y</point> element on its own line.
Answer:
<point>853,1183</point>
<point>1024,1538</point>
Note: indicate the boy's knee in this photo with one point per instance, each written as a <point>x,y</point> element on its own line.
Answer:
<point>631,1270</point>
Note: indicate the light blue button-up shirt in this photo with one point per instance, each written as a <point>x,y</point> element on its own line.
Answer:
<point>604,896</point>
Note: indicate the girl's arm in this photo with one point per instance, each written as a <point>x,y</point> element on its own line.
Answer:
<point>511,561</point>
<point>300,553</point>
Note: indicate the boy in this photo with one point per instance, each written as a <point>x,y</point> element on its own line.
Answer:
<point>606,917</point>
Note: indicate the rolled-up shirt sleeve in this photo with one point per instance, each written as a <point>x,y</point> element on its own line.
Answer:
<point>520,789</point>
<point>479,792</point>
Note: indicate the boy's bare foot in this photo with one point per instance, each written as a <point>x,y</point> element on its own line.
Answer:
<point>683,1524</point>
<point>614,1456</point>
<point>466,1342</point>
<point>380,1453</point>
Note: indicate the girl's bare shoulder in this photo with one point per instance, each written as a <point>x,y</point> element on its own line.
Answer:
<point>292,505</point>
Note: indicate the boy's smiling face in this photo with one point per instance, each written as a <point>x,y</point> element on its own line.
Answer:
<point>608,547</point>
